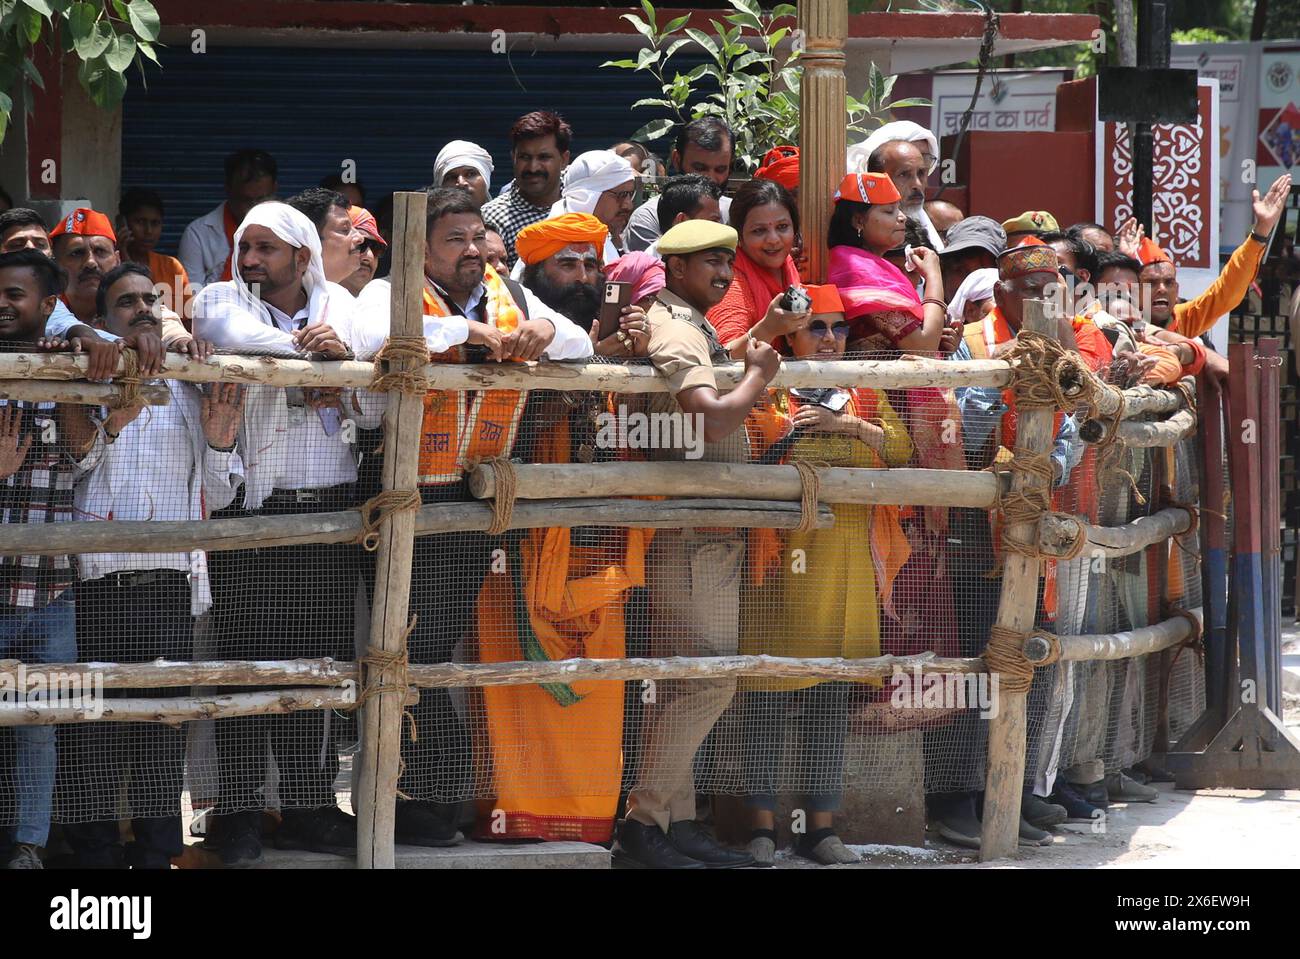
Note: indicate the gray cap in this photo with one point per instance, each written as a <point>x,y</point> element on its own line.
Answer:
<point>975,233</point>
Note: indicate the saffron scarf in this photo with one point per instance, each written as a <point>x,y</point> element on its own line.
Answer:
<point>871,284</point>
<point>759,286</point>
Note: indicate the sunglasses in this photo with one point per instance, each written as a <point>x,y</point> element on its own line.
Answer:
<point>821,328</point>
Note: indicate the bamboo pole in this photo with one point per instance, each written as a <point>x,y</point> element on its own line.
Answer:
<point>1112,542</point>
<point>1134,642</point>
<point>376,788</point>
<point>1168,432</point>
<point>822,135</point>
<point>326,672</point>
<point>178,709</point>
<point>606,377</point>
<point>1138,401</point>
<point>215,535</point>
<point>913,487</point>
<point>1017,607</point>
<point>82,394</point>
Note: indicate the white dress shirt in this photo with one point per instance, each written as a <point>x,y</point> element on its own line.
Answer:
<point>160,468</point>
<point>204,250</point>
<point>444,332</point>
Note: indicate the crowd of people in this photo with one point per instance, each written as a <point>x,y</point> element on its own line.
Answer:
<point>716,272</point>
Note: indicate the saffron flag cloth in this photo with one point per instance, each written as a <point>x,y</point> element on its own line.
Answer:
<point>556,749</point>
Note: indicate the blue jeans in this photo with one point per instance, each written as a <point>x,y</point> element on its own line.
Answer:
<point>47,635</point>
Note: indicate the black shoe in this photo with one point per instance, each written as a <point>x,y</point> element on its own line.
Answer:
<point>328,830</point>
<point>420,824</point>
<point>1040,813</point>
<point>646,847</point>
<point>953,817</point>
<point>236,838</point>
<point>690,839</point>
<point>1077,808</point>
<point>1096,794</point>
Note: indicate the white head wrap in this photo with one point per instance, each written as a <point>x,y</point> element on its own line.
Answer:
<point>977,286</point>
<point>860,153</point>
<point>459,153</point>
<point>587,177</point>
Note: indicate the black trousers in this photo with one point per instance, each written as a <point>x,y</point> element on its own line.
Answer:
<point>819,715</point>
<point>446,576</point>
<point>127,618</point>
<point>283,603</point>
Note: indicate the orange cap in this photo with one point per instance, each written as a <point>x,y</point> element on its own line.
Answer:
<point>875,188</point>
<point>825,298</point>
<point>365,221</point>
<point>84,221</point>
<point>1150,252</point>
<point>781,165</point>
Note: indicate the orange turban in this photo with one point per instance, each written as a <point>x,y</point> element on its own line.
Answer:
<point>365,221</point>
<point>875,188</point>
<point>84,221</point>
<point>1150,252</point>
<point>781,165</point>
<point>543,239</point>
<point>825,298</point>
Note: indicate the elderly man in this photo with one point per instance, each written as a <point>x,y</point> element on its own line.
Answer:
<point>471,314</point>
<point>908,168</point>
<point>539,150</point>
<point>466,166</point>
<point>85,246</point>
<point>207,243</point>
<point>372,250</point>
<point>43,448</point>
<point>943,216</point>
<point>602,183</point>
<point>340,240</point>
<point>705,146</point>
<point>693,576</point>
<point>297,460</point>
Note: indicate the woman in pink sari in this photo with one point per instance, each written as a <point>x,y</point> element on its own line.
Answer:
<point>889,317</point>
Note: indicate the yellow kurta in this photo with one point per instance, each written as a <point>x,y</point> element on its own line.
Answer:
<point>822,598</point>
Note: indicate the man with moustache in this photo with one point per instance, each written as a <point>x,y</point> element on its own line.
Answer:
<point>540,152</point>
<point>704,146</point>
<point>165,463</point>
<point>472,314</point>
<point>43,448</point>
<point>602,183</point>
<point>880,153</point>
<point>340,240</point>
<point>372,250</point>
<point>692,576</point>
<point>466,166</point>
<point>297,460</point>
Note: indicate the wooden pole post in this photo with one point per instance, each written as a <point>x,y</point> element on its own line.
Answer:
<point>1269,362</point>
<point>375,787</point>
<point>1017,608</point>
<point>822,140</point>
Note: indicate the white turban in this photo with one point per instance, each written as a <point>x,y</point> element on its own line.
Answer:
<point>587,177</point>
<point>977,286</point>
<point>232,316</point>
<point>860,153</point>
<point>459,153</point>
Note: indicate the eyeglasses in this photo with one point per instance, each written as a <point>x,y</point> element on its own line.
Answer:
<point>820,328</point>
<point>622,196</point>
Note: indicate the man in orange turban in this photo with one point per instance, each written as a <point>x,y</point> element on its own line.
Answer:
<point>548,237</point>
<point>561,259</point>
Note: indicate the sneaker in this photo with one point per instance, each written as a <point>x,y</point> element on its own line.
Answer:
<point>690,839</point>
<point>1076,807</point>
<point>24,856</point>
<point>1037,811</point>
<point>1121,788</point>
<point>762,846</point>
<point>328,830</point>
<point>419,823</point>
<point>954,819</point>
<point>236,838</point>
<point>829,850</point>
<point>646,847</point>
<point>1031,835</point>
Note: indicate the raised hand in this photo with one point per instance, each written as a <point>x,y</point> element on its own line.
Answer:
<point>221,414</point>
<point>14,443</point>
<point>1268,208</point>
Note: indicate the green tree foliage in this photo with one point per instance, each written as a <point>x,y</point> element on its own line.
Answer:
<point>108,36</point>
<point>747,78</point>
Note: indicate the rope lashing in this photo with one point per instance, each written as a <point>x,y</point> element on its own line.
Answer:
<point>1005,655</point>
<point>809,494</point>
<point>503,499</point>
<point>128,382</point>
<point>376,510</point>
<point>388,671</point>
<point>413,349</point>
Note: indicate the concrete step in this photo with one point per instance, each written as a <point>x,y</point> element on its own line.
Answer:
<point>467,855</point>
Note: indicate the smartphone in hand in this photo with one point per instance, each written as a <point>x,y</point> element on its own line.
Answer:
<point>617,295</point>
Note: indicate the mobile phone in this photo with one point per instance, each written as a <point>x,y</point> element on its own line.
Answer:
<point>617,295</point>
